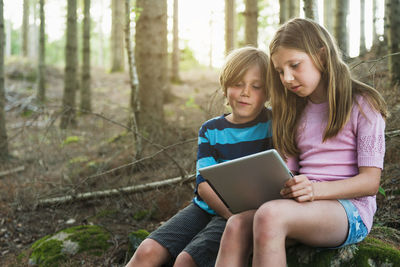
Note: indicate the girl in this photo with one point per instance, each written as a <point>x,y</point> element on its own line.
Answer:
<point>330,128</point>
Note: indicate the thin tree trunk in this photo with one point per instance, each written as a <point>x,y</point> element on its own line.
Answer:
<point>175,45</point>
<point>3,131</point>
<point>41,91</point>
<point>341,30</point>
<point>386,21</point>
<point>251,21</point>
<point>394,41</point>
<point>25,28</point>
<point>329,18</point>
<point>375,37</point>
<point>117,36</point>
<point>134,83</point>
<point>229,25</point>
<point>86,79</point>
<point>283,11</point>
<point>363,48</point>
<point>71,61</point>
<point>151,54</point>
<point>293,8</point>
<point>311,9</point>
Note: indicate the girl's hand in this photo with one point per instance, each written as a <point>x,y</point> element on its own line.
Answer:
<point>299,188</point>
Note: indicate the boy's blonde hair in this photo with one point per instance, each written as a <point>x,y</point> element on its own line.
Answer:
<point>308,36</point>
<point>238,62</point>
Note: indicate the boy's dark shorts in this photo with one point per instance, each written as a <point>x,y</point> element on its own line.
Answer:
<point>192,230</point>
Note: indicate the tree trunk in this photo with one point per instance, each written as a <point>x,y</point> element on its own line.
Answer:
<point>363,48</point>
<point>340,31</point>
<point>71,61</point>
<point>41,91</point>
<point>151,58</point>
<point>386,21</point>
<point>251,16</point>
<point>3,131</point>
<point>329,18</point>
<point>85,84</point>
<point>394,41</point>
<point>311,9</point>
<point>283,11</point>
<point>375,37</point>
<point>117,36</point>
<point>293,8</point>
<point>134,83</point>
<point>175,45</point>
<point>229,25</point>
<point>25,28</point>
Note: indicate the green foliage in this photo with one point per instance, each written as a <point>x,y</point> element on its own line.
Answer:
<point>47,252</point>
<point>140,215</point>
<point>190,103</point>
<point>70,140</point>
<point>79,159</point>
<point>187,59</point>
<point>382,191</point>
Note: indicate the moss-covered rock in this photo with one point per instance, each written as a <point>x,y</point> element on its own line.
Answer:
<point>135,238</point>
<point>52,250</point>
<point>373,251</point>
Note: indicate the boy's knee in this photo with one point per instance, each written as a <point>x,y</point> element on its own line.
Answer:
<point>184,259</point>
<point>147,248</point>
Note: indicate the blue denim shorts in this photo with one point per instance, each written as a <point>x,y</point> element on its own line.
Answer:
<point>357,229</point>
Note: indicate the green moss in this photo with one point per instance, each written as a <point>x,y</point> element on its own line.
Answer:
<point>70,140</point>
<point>47,252</point>
<point>140,215</point>
<point>51,250</point>
<point>135,238</point>
<point>377,251</point>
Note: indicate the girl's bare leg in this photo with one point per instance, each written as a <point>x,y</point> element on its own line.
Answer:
<point>236,241</point>
<point>320,223</point>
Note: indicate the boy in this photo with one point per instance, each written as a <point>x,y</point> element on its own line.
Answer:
<point>192,236</point>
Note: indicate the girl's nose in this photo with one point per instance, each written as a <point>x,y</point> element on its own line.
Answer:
<point>288,77</point>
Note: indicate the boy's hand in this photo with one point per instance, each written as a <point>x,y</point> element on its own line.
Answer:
<point>299,188</point>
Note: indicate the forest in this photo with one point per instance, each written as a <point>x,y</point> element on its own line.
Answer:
<point>99,118</point>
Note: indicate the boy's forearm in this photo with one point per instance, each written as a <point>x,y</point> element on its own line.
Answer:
<point>208,195</point>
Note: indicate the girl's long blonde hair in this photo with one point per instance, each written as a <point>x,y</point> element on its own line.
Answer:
<point>308,36</point>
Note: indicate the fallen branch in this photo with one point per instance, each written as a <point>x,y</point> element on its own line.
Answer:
<point>18,169</point>
<point>393,133</point>
<point>114,192</point>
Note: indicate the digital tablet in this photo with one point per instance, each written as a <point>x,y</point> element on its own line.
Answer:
<point>246,183</point>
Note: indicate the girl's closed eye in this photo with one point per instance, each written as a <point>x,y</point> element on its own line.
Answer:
<point>295,65</point>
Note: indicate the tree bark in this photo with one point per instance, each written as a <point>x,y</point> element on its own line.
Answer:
<point>71,61</point>
<point>229,25</point>
<point>134,83</point>
<point>283,11</point>
<point>340,31</point>
<point>41,91</point>
<point>85,89</point>
<point>117,36</point>
<point>394,41</point>
<point>293,8</point>
<point>3,132</point>
<point>363,47</point>
<point>175,44</point>
<point>329,18</point>
<point>25,28</point>
<point>311,9</point>
<point>375,37</point>
<point>151,59</point>
<point>251,21</point>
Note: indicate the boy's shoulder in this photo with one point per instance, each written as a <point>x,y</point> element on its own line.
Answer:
<point>216,122</point>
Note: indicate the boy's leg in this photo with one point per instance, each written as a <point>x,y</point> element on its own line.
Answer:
<point>172,236</point>
<point>320,223</point>
<point>149,253</point>
<point>236,243</point>
<point>203,249</point>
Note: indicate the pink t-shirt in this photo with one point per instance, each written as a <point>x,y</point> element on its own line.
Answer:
<point>360,143</point>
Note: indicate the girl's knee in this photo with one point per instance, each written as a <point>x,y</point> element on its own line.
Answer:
<point>236,224</point>
<point>269,214</point>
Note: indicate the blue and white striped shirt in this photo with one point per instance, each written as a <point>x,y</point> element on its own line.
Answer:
<point>220,140</point>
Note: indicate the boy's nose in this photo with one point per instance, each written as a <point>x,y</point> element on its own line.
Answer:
<point>245,91</point>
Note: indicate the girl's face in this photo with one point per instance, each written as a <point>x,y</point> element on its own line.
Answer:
<point>247,97</point>
<point>299,74</point>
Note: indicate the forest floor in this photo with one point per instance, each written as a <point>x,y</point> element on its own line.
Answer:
<point>50,162</point>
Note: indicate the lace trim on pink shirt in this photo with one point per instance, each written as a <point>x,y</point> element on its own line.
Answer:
<point>372,144</point>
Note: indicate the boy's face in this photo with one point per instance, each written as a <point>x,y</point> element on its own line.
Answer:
<point>247,97</point>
